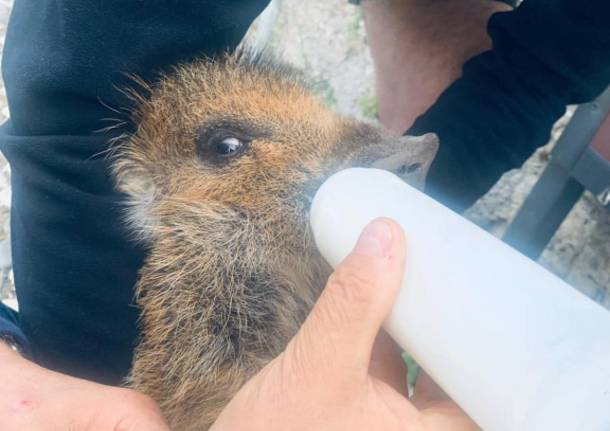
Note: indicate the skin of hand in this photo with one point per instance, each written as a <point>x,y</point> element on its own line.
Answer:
<point>36,399</point>
<point>323,381</point>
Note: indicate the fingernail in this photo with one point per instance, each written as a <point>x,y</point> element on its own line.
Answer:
<point>375,240</point>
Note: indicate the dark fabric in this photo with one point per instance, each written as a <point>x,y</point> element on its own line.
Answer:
<point>74,266</point>
<point>512,3</point>
<point>546,54</point>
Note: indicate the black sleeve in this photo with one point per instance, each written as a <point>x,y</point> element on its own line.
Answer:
<point>546,54</point>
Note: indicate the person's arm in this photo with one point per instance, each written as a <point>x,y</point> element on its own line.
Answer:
<point>546,54</point>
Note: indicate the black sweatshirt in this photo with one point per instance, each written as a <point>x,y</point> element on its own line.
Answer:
<point>74,266</point>
<point>546,54</point>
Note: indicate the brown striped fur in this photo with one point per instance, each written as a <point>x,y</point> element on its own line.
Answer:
<point>232,270</point>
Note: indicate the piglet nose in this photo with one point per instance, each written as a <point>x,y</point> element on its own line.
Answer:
<point>409,157</point>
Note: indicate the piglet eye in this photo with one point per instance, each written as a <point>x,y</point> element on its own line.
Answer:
<point>228,147</point>
<point>222,142</point>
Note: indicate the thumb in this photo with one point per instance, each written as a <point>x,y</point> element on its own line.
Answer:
<point>337,338</point>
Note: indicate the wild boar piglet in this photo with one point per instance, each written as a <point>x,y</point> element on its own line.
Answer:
<point>220,173</point>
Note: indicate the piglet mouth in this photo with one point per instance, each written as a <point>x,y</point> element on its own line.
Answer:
<point>309,192</point>
<point>307,198</point>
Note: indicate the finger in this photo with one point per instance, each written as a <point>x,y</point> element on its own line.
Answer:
<point>447,416</point>
<point>337,338</point>
<point>136,412</point>
<point>427,392</point>
<point>438,413</point>
<point>437,410</point>
<point>387,363</point>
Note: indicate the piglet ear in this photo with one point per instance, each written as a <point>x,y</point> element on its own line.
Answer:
<point>409,157</point>
<point>137,183</point>
<point>133,179</point>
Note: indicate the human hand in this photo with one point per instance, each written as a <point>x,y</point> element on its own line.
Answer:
<point>322,381</point>
<point>36,399</point>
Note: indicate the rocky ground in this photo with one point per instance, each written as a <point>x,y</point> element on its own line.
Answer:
<point>326,38</point>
